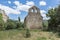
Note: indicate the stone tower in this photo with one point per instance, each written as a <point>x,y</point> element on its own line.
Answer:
<point>34,19</point>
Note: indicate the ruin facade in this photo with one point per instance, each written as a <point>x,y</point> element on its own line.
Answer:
<point>34,19</point>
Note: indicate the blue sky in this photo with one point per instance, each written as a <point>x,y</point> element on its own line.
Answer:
<point>15,8</point>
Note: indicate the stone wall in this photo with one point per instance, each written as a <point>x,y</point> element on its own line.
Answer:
<point>33,20</point>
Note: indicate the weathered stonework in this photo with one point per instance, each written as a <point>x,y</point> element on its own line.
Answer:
<point>34,19</point>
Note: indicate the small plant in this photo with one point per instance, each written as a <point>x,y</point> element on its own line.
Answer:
<point>27,33</point>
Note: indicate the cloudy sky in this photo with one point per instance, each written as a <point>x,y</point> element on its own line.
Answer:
<point>15,8</point>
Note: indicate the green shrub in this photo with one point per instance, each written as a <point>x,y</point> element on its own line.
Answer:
<point>11,25</point>
<point>2,25</point>
<point>20,25</point>
<point>27,33</point>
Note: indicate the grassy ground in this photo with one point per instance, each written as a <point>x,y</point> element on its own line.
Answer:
<point>19,35</point>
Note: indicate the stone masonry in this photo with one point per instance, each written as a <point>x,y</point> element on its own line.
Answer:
<point>34,19</point>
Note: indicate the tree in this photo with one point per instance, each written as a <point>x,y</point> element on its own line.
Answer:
<point>51,21</point>
<point>58,18</point>
<point>18,19</point>
<point>18,23</point>
<point>54,20</point>
<point>2,25</point>
<point>1,16</point>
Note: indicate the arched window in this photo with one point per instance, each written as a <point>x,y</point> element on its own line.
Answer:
<point>33,10</point>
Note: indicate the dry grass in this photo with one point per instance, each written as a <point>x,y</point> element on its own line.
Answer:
<point>35,35</point>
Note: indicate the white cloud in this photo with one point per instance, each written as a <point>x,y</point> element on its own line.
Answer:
<point>17,3</point>
<point>23,7</point>
<point>31,3</point>
<point>9,2</point>
<point>22,20</point>
<point>18,8</point>
<point>46,18</point>
<point>42,3</point>
<point>9,10</point>
<point>42,11</point>
<point>43,14</point>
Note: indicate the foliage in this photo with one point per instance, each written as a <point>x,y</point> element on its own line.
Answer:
<point>19,19</point>
<point>54,21</point>
<point>45,25</point>
<point>2,24</point>
<point>2,27</point>
<point>27,33</point>
<point>0,16</point>
<point>11,24</point>
<point>20,25</point>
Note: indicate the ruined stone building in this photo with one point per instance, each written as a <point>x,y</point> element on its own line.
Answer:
<point>34,19</point>
<point>4,16</point>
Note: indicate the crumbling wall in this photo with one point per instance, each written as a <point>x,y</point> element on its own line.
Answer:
<point>33,20</point>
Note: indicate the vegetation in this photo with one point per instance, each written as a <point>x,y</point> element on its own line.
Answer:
<point>27,33</point>
<point>2,27</point>
<point>0,16</point>
<point>11,27</point>
<point>11,24</point>
<point>19,24</point>
<point>45,25</point>
<point>54,21</point>
<point>17,35</point>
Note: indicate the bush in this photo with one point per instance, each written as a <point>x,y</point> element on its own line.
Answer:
<point>2,27</point>
<point>27,33</point>
<point>11,25</point>
<point>45,27</point>
<point>20,25</point>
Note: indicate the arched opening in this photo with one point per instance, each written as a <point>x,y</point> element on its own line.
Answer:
<point>33,10</point>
